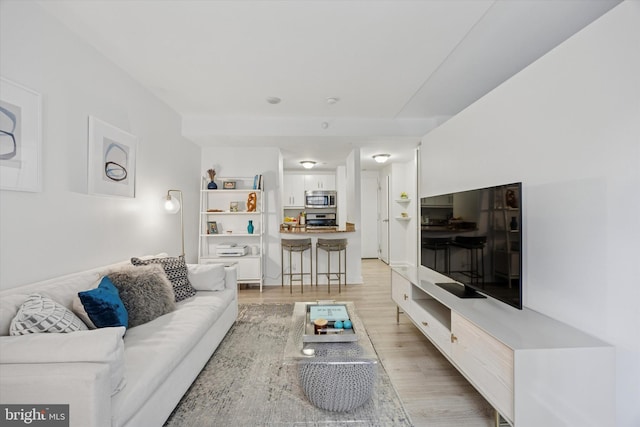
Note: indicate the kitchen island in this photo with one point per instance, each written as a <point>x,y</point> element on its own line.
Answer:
<point>348,231</point>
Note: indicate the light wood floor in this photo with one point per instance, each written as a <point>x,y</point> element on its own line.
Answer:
<point>433,392</point>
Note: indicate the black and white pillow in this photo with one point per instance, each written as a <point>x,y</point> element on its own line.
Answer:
<point>41,314</point>
<point>176,270</point>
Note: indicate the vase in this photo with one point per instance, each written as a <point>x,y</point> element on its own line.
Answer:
<point>212,186</point>
<point>514,223</point>
<point>250,227</point>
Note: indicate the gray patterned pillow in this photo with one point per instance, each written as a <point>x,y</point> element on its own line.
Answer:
<point>176,271</point>
<point>42,314</point>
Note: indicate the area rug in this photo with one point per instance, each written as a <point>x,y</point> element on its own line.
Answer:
<point>246,383</point>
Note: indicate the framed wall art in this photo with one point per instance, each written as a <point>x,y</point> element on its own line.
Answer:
<point>112,160</point>
<point>20,137</point>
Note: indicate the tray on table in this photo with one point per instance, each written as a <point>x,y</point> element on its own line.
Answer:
<point>331,312</point>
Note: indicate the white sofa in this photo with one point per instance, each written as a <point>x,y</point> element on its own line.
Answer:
<point>109,381</point>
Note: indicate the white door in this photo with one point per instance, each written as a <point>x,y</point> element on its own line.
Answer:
<point>369,215</point>
<point>383,223</point>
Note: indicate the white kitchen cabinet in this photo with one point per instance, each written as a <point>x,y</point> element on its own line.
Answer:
<point>295,184</point>
<point>319,182</point>
<point>221,225</point>
<point>293,191</point>
<point>532,369</point>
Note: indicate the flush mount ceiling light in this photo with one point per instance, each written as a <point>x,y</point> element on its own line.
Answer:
<point>381,158</point>
<point>308,164</point>
<point>332,100</point>
<point>273,100</point>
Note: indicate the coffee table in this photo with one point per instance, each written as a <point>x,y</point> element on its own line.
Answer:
<point>335,375</point>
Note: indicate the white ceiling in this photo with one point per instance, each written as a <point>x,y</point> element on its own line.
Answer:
<point>400,68</point>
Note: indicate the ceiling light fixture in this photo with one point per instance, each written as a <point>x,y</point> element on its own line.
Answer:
<point>332,100</point>
<point>273,100</point>
<point>308,164</point>
<point>324,125</point>
<point>381,158</point>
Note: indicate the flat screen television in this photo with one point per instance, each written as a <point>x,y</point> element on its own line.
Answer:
<point>473,238</point>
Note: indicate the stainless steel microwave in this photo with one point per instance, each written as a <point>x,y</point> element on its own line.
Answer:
<point>320,199</point>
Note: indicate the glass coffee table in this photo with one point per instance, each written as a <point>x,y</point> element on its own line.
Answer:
<point>336,369</point>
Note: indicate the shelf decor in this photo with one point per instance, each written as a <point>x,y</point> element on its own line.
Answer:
<point>112,159</point>
<point>20,138</point>
<point>212,176</point>
<point>251,202</point>
<point>212,227</point>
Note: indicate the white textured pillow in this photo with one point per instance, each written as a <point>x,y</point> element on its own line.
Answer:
<point>41,314</point>
<point>206,277</point>
<point>103,345</point>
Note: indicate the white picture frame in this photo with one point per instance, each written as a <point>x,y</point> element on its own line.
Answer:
<point>20,137</point>
<point>111,160</point>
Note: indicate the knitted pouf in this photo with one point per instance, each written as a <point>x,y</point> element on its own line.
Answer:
<point>340,383</point>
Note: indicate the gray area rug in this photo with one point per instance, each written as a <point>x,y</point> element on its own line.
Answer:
<point>245,383</point>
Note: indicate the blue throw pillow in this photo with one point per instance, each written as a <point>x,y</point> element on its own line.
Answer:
<point>104,306</point>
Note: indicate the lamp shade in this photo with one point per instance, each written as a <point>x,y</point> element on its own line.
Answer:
<point>172,204</point>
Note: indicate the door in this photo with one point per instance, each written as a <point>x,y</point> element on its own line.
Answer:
<point>369,215</point>
<point>383,224</point>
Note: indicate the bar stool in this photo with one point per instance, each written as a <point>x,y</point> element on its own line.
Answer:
<point>475,246</point>
<point>296,245</point>
<point>329,246</point>
<point>437,244</point>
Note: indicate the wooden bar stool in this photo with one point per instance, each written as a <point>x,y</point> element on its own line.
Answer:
<point>296,245</point>
<point>329,246</point>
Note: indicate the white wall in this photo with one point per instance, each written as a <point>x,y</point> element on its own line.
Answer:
<point>63,229</point>
<point>403,233</point>
<point>568,127</point>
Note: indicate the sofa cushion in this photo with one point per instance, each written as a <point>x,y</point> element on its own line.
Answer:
<point>41,314</point>
<point>104,306</point>
<point>176,270</point>
<point>155,349</point>
<point>99,346</point>
<point>206,277</point>
<point>145,291</point>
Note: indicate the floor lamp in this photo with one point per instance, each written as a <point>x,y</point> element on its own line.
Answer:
<point>172,205</point>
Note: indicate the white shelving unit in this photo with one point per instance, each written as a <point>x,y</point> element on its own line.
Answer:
<point>232,227</point>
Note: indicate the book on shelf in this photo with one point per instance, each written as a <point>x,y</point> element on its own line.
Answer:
<point>257,182</point>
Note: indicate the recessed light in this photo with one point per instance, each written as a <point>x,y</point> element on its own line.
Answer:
<point>308,164</point>
<point>381,158</point>
<point>273,100</point>
<point>324,125</point>
<point>332,100</point>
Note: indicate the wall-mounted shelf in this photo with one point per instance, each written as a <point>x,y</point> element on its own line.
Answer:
<point>403,200</point>
<point>403,218</point>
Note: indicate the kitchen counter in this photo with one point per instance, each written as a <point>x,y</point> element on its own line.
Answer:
<point>350,228</point>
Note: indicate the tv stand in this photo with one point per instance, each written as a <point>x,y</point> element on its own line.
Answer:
<point>532,369</point>
<point>461,291</point>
